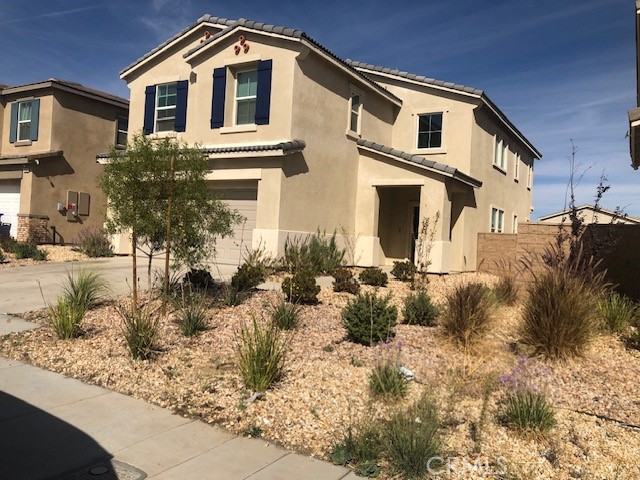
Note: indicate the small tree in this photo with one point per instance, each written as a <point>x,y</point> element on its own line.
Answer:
<point>424,244</point>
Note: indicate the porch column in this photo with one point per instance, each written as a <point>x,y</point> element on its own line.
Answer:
<point>367,242</point>
<point>434,201</point>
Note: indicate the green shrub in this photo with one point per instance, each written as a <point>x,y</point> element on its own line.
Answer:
<point>506,290</point>
<point>362,447</point>
<point>633,337</point>
<point>301,288</point>
<point>345,282</point>
<point>141,330</point>
<point>468,313</point>
<point>616,312</point>
<point>247,277</point>
<point>285,315</point>
<point>94,243</point>
<point>386,381</point>
<point>374,276</point>
<point>369,319</point>
<point>7,244</point>
<point>418,309</point>
<point>529,411</point>
<point>260,354</point>
<point>191,314</point>
<point>85,289</point>
<point>199,278</point>
<point>66,317</point>
<point>315,253</point>
<point>29,250</point>
<point>560,314</point>
<point>175,287</point>
<point>232,297</point>
<point>411,439</point>
<point>404,271</point>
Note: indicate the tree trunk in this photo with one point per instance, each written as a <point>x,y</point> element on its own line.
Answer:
<point>149,281</point>
<point>134,300</point>
<point>165,286</point>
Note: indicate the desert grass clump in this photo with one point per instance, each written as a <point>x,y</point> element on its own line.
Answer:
<point>468,313</point>
<point>616,312</point>
<point>285,315</point>
<point>141,329</point>
<point>419,310</point>
<point>66,317</point>
<point>369,318</point>
<point>191,314</point>
<point>86,288</point>
<point>529,412</point>
<point>260,354</point>
<point>386,381</point>
<point>411,439</point>
<point>506,290</point>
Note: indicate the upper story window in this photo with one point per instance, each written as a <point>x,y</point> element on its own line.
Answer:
<point>166,97</point>
<point>122,127</point>
<point>24,121</point>
<point>355,113</point>
<point>497,220</point>
<point>500,153</point>
<point>516,167</point>
<point>430,130</point>
<point>246,97</point>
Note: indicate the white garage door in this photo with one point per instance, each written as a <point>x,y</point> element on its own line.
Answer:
<point>229,250</point>
<point>10,203</point>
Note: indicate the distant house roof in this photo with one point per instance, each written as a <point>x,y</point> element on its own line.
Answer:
<point>440,168</point>
<point>475,92</point>
<point>72,87</point>
<point>623,217</point>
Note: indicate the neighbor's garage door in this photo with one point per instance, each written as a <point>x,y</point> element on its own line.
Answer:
<point>244,200</point>
<point>10,203</point>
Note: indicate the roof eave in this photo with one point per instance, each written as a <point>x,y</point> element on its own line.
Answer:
<point>53,84</point>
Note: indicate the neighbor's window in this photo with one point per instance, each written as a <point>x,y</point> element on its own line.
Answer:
<point>430,130</point>
<point>166,107</point>
<point>122,127</point>
<point>516,167</point>
<point>356,113</point>
<point>500,152</point>
<point>246,94</point>
<point>24,121</point>
<point>497,220</point>
<point>514,227</point>
<point>529,176</point>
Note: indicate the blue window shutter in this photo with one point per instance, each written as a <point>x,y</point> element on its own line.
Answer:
<point>263,100</point>
<point>149,108</point>
<point>13,131</point>
<point>35,119</point>
<point>217,103</point>
<point>181,106</point>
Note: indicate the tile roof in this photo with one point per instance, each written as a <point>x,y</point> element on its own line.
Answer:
<point>417,159</point>
<point>71,85</point>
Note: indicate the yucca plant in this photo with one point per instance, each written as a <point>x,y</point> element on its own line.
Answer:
<point>468,312</point>
<point>285,315</point>
<point>386,381</point>
<point>85,288</point>
<point>260,354</point>
<point>66,317</point>
<point>616,312</point>
<point>191,314</point>
<point>141,329</point>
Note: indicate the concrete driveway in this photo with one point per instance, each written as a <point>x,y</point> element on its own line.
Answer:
<point>19,290</point>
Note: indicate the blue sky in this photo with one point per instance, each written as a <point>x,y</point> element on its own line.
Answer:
<point>560,69</point>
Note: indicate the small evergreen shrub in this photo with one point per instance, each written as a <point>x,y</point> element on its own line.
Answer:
<point>506,290</point>
<point>66,318</point>
<point>467,314</point>
<point>404,271</point>
<point>141,330</point>
<point>386,381</point>
<point>247,277</point>
<point>199,278</point>
<point>369,319</point>
<point>301,288</point>
<point>285,315</point>
<point>191,314</point>
<point>345,282</point>
<point>529,411</point>
<point>418,309</point>
<point>94,243</point>
<point>260,354</point>
<point>29,250</point>
<point>616,312</point>
<point>374,276</point>
<point>315,253</point>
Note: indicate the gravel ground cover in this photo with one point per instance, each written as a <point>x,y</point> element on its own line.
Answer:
<point>325,385</point>
<point>56,254</point>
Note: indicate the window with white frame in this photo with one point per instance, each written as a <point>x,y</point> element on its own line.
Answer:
<point>355,113</point>
<point>246,95</point>
<point>529,176</point>
<point>24,121</point>
<point>514,226</point>
<point>500,152</point>
<point>430,130</point>
<point>497,220</point>
<point>122,127</point>
<point>516,167</point>
<point>165,107</point>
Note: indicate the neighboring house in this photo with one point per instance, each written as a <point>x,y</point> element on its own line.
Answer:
<point>300,139</point>
<point>589,214</point>
<point>51,132</point>
<point>634,114</point>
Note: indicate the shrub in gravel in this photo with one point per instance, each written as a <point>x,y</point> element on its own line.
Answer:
<point>404,271</point>
<point>369,319</point>
<point>66,317</point>
<point>411,439</point>
<point>506,290</point>
<point>7,244</point>
<point>85,288</point>
<point>529,411</point>
<point>386,381</point>
<point>29,250</point>
<point>199,278</point>
<point>316,253</point>
<point>345,282</point>
<point>232,297</point>
<point>247,277</point>
<point>141,330</point>
<point>285,315</point>
<point>467,315</point>
<point>616,312</point>
<point>418,309</point>
<point>374,276</point>
<point>362,447</point>
<point>191,314</point>
<point>301,288</point>
<point>94,243</point>
<point>260,354</point>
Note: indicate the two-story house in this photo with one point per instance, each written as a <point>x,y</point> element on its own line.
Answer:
<point>300,139</point>
<point>50,133</point>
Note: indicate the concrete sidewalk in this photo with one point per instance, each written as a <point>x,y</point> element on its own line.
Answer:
<point>51,425</point>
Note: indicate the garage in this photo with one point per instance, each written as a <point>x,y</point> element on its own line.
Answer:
<point>10,204</point>
<point>243,199</point>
